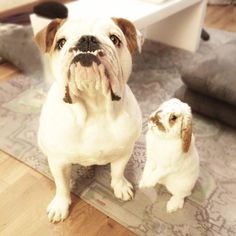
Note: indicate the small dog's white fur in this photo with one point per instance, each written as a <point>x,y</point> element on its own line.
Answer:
<point>83,125</point>
<point>159,1</point>
<point>172,157</point>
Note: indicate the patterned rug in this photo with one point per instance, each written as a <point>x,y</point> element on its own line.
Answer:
<point>210,210</point>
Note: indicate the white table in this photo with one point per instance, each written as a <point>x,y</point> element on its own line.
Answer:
<point>176,22</point>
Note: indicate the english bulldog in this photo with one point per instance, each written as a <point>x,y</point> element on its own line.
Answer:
<point>90,116</point>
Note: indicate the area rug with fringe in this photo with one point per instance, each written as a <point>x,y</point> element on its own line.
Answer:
<point>210,210</point>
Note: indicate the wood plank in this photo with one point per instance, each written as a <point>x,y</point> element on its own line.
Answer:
<point>221,17</point>
<point>3,157</point>
<point>18,169</point>
<point>7,70</point>
<point>24,196</point>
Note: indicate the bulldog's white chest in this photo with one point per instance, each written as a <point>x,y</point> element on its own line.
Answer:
<point>66,130</point>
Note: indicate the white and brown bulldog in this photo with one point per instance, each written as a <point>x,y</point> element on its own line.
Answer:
<point>90,116</point>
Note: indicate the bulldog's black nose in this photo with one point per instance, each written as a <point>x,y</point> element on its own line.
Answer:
<point>88,43</point>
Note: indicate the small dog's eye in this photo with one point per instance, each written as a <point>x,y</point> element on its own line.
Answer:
<point>60,43</point>
<point>173,117</point>
<point>115,40</point>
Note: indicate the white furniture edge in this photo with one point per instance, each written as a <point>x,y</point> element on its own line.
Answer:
<point>177,23</point>
<point>184,28</point>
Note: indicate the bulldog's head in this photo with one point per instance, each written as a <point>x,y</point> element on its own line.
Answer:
<point>90,55</point>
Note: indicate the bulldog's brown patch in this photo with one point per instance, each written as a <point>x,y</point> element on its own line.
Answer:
<point>45,38</point>
<point>129,31</point>
<point>157,121</point>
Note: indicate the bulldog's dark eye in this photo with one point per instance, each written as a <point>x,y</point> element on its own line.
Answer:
<point>60,43</point>
<point>115,40</point>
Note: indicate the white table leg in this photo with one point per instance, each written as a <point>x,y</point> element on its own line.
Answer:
<point>182,30</point>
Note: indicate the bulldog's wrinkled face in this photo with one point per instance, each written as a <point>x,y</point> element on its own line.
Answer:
<point>90,55</point>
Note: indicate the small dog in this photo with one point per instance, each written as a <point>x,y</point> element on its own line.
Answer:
<point>172,158</point>
<point>90,116</point>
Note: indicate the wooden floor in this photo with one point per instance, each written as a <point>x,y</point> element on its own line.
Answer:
<point>221,17</point>
<point>24,193</point>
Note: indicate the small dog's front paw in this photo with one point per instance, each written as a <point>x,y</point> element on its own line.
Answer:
<point>58,209</point>
<point>123,189</point>
<point>174,204</point>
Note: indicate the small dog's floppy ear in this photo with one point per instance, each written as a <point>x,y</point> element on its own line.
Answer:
<point>186,132</point>
<point>45,37</point>
<point>134,38</point>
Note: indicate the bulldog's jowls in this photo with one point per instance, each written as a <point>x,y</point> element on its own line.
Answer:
<point>90,116</point>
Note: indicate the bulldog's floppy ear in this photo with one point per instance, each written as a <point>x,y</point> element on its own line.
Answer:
<point>186,132</point>
<point>134,38</point>
<point>45,37</point>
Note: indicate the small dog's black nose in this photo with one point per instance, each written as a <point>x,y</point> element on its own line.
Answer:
<point>88,43</point>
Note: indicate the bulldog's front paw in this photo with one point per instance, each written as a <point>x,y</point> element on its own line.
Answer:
<point>123,189</point>
<point>58,209</point>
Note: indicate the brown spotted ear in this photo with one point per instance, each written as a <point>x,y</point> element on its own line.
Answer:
<point>45,37</point>
<point>133,37</point>
<point>186,132</point>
